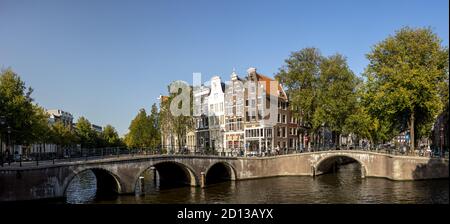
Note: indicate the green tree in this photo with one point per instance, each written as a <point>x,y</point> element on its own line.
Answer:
<point>177,126</point>
<point>322,88</point>
<point>140,131</point>
<point>407,79</point>
<point>41,131</point>
<point>155,131</point>
<point>16,108</point>
<point>300,75</point>
<point>110,136</point>
<point>337,95</point>
<point>86,135</point>
<point>365,126</point>
<point>63,136</point>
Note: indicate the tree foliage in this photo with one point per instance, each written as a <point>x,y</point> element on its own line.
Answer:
<point>87,137</point>
<point>300,76</point>
<point>176,126</point>
<point>24,118</point>
<point>144,130</point>
<point>337,95</point>
<point>323,88</point>
<point>110,136</point>
<point>407,81</point>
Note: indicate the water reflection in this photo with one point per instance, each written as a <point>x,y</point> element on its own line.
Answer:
<point>82,188</point>
<point>344,186</point>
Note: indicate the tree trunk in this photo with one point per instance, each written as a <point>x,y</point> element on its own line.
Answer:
<point>411,131</point>
<point>339,139</point>
<point>309,141</point>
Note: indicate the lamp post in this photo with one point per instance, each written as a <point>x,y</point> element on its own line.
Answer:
<point>2,122</point>
<point>9,145</point>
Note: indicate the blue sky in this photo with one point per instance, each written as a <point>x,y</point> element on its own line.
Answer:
<point>107,59</point>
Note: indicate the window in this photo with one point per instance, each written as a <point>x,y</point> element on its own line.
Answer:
<point>284,119</point>
<point>279,118</point>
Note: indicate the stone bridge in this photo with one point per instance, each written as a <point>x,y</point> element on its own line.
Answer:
<point>120,175</point>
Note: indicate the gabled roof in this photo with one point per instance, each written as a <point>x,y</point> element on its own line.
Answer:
<point>261,77</point>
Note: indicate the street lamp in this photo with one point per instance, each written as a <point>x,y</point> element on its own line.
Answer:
<point>9,144</point>
<point>2,122</point>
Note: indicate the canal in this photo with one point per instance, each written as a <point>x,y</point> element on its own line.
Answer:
<point>343,186</point>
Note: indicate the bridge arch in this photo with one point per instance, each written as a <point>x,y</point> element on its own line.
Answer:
<point>171,174</point>
<point>107,183</point>
<point>327,163</point>
<point>219,172</point>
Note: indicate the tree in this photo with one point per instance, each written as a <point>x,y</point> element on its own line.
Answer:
<point>62,135</point>
<point>300,75</point>
<point>86,136</point>
<point>406,76</point>
<point>41,131</point>
<point>337,95</point>
<point>176,125</point>
<point>323,88</point>
<point>155,131</point>
<point>16,108</point>
<point>140,131</point>
<point>110,136</point>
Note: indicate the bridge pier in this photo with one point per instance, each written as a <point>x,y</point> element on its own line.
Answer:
<point>202,179</point>
<point>363,171</point>
<point>142,184</point>
<point>313,171</point>
<point>153,169</point>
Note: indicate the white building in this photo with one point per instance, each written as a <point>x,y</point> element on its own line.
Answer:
<point>59,115</point>
<point>55,115</point>
<point>201,105</point>
<point>216,114</point>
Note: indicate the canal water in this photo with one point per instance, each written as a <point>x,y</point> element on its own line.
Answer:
<point>344,186</point>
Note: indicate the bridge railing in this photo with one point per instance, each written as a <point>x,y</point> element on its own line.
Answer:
<point>85,154</point>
